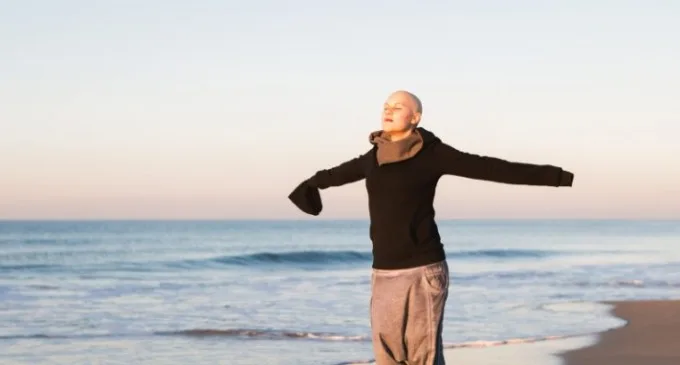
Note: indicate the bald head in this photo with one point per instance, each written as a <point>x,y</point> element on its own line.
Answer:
<point>401,113</point>
<point>414,102</point>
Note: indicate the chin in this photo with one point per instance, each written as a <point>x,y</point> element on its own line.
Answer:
<point>390,128</point>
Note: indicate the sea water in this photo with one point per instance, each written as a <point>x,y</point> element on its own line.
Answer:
<point>297,292</point>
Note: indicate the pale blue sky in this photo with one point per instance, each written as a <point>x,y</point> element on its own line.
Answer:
<point>217,109</point>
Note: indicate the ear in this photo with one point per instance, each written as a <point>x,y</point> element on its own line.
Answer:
<point>416,118</point>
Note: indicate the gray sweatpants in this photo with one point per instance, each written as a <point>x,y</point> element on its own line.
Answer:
<point>407,311</point>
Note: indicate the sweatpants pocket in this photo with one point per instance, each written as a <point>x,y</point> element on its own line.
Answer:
<point>436,276</point>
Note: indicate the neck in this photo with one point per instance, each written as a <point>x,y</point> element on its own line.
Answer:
<point>398,136</point>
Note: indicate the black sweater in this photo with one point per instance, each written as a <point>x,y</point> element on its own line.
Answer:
<point>401,195</point>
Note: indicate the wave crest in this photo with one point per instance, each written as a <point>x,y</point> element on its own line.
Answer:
<point>323,257</point>
<point>266,334</point>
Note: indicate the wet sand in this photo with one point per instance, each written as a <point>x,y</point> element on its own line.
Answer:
<point>539,351</point>
<point>650,337</point>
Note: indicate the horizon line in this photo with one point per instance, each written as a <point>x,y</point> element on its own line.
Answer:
<point>315,219</point>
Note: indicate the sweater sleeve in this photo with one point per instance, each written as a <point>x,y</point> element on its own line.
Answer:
<point>451,161</point>
<point>306,195</point>
<point>342,174</point>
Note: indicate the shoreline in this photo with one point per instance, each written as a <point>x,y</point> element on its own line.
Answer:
<point>650,336</point>
<point>539,351</point>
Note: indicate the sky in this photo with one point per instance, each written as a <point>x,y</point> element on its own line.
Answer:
<point>218,109</point>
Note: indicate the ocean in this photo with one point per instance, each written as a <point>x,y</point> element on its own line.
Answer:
<point>297,292</point>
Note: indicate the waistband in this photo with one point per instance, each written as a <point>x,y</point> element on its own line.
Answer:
<point>433,267</point>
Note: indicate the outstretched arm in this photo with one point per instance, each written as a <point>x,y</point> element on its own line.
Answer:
<point>451,161</point>
<point>306,195</point>
<point>344,173</point>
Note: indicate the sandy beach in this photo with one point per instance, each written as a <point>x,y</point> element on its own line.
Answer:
<point>651,337</point>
